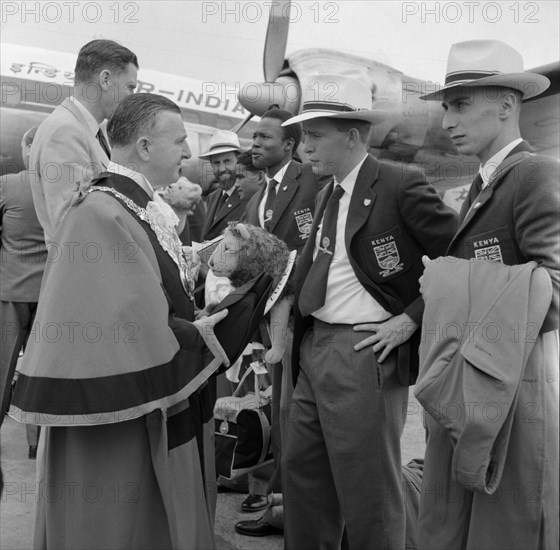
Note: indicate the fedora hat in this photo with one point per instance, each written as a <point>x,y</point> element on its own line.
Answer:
<point>488,63</point>
<point>337,96</point>
<point>223,141</point>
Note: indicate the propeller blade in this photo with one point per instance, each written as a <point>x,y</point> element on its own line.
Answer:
<point>276,39</point>
<point>240,125</point>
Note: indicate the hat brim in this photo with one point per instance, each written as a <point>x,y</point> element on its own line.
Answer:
<point>529,84</point>
<point>218,151</point>
<point>373,116</point>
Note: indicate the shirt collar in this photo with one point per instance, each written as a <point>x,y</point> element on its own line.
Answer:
<point>487,170</point>
<point>139,178</point>
<point>349,181</point>
<point>279,176</point>
<point>88,117</point>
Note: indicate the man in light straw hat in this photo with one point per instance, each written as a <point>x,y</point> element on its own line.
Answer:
<point>357,308</point>
<point>224,205</point>
<point>510,217</point>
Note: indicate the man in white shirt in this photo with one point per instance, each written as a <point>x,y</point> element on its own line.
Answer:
<point>70,149</point>
<point>356,312</point>
<point>510,216</point>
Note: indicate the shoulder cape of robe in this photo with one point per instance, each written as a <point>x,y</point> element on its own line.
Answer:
<point>106,345</point>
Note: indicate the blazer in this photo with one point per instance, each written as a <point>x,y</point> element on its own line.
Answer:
<point>515,219</point>
<point>294,207</point>
<point>22,245</point>
<point>215,222</point>
<point>65,156</point>
<point>393,212</point>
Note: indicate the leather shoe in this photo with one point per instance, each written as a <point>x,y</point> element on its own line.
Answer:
<point>256,528</point>
<point>254,503</point>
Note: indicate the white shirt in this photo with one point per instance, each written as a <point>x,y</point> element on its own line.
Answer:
<point>491,165</point>
<point>346,300</point>
<point>279,176</point>
<point>143,182</point>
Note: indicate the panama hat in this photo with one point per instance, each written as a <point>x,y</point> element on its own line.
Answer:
<point>223,141</point>
<point>337,96</point>
<point>488,63</point>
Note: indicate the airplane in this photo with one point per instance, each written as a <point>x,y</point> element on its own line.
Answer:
<point>411,136</point>
<point>34,81</point>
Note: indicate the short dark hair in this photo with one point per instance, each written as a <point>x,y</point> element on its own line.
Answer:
<point>102,54</point>
<point>293,131</point>
<point>346,124</point>
<point>246,159</point>
<point>29,136</point>
<point>135,114</point>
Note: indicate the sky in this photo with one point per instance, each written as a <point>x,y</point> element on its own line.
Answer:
<point>223,41</point>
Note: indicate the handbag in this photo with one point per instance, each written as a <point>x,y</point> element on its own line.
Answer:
<point>242,430</point>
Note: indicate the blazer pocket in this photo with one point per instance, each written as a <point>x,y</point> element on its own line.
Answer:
<point>300,224</point>
<point>496,245</point>
<point>387,255</point>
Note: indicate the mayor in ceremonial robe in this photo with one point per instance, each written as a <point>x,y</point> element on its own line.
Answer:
<point>115,368</point>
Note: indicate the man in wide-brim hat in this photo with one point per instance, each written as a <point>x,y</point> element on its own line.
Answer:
<point>509,216</point>
<point>356,312</point>
<point>223,205</point>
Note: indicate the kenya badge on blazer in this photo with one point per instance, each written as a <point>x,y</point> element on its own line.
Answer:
<point>494,246</point>
<point>387,254</point>
<point>490,250</point>
<point>304,221</point>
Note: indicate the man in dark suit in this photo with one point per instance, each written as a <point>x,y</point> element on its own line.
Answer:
<point>70,148</point>
<point>224,205</point>
<point>356,312</point>
<point>510,216</point>
<point>23,256</point>
<point>285,206</point>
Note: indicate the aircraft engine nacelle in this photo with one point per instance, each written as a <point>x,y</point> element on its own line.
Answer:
<point>257,97</point>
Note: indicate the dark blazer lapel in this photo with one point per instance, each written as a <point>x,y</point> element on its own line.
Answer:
<point>287,188</point>
<point>362,199</point>
<point>514,157</point>
<point>252,209</point>
<point>213,200</point>
<point>229,206</point>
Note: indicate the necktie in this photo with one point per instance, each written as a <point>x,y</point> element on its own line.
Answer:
<point>475,189</point>
<point>269,204</point>
<point>223,199</point>
<point>314,289</point>
<point>103,143</point>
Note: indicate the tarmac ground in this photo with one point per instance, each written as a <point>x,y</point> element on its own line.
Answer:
<point>17,503</point>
